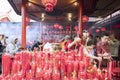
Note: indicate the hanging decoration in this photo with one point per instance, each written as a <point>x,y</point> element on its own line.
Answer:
<point>44,27</point>
<point>76,28</point>
<point>60,27</point>
<point>97,30</point>
<point>85,19</point>
<point>56,25</point>
<point>49,4</point>
<point>117,26</point>
<point>27,19</point>
<point>103,29</point>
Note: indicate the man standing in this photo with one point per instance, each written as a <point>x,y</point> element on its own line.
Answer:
<point>103,49</point>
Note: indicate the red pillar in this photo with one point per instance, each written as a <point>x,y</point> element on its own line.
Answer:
<point>23,36</point>
<point>80,18</point>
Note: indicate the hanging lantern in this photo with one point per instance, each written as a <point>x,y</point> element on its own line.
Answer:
<point>49,4</point>
<point>85,19</point>
<point>117,26</point>
<point>44,27</point>
<point>27,19</point>
<point>97,31</point>
<point>60,27</point>
<point>103,29</point>
<point>76,28</point>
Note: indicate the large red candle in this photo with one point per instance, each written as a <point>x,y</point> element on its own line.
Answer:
<point>65,78</point>
<point>81,66</point>
<point>69,68</point>
<point>75,63</point>
<point>110,70</point>
<point>47,74</point>
<point>56,75</point>
<point>39,73</point>
<point>6,64</point>
<point>29,75</point>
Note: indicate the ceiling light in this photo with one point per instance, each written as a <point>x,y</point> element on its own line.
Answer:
<point>75,3</point>
<point>99,18</point>
<point>29,4</point>
<point>43,19</point>
<point>69,15</point>
<point>42,15</point>
<point>69,19</point>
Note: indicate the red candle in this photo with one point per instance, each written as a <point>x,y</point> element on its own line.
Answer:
<point>17,56</point>
<point>74,78</point>
<point>56,75</point>
<point>29,74</point>
<point>1,77</point>
<point>25,61</point>
<point>70,58</point>
<point>98,74</point>
<point>47,74</point>
<point>110,70</point>
<point>6,64</point>
<point>7,77</point>
<point>16,67</point>
<point>81,52</point>
<point>65,78</point>
<point>69,68</point>
<point>83,75</point>
<point>39,73</point>
<point>33,66</point>
<point>81,66</point>
<point>87,61</point>
<point>75,63</point>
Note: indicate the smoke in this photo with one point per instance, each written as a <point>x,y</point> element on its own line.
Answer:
<point>15,29</point>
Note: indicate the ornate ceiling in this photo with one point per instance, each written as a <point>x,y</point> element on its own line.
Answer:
<point>92,8</point>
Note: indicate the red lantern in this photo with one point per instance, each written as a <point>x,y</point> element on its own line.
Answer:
<point>103,29</point>
<point>49,4</point>
<point>60,27</point>
<point>27,20</point>
<point>117,26</point>
<point>97,30</point>
<point>76,28</point>
<point>56,25</point>
<point>85,19</point>
<point>44,27</point>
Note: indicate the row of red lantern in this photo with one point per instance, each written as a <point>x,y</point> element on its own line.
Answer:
<point>59,32</point>
<point>101,29</point>
<point>84,20</point>
<point>55,26</point>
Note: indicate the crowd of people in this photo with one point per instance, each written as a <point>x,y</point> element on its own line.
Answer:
<point>9,46</point>
<point>98,47</point>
